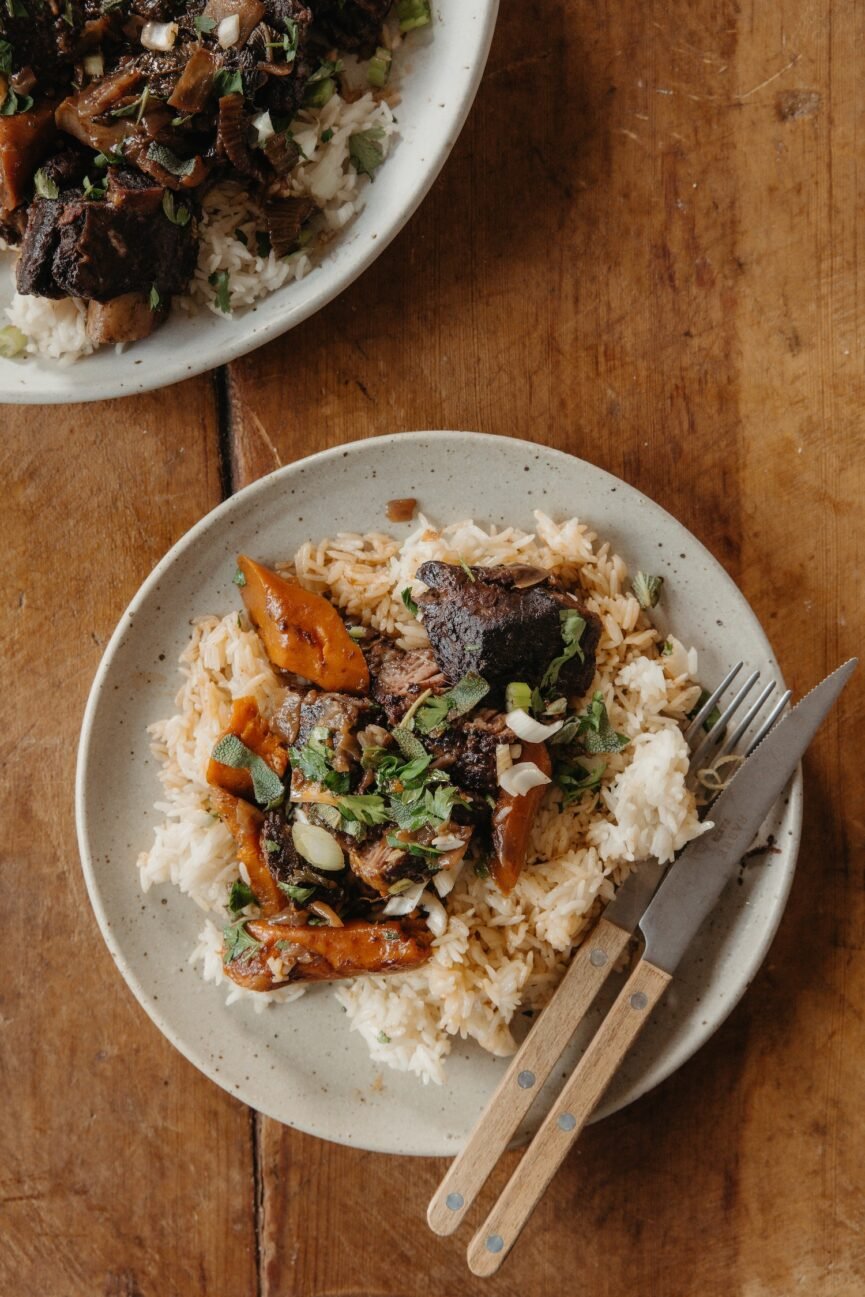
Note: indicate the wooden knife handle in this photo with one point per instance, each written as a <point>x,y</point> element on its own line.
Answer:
<point>529,1069</point>
<point>566,1119</point>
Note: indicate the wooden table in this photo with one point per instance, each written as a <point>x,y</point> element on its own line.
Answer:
<point>646,250</point>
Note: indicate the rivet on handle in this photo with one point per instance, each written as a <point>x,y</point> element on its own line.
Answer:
<point>526,1080</point>
<point>454,1201</point>
<point>495,1243</point>
<point>639,1000</point>
<point>598,957</point>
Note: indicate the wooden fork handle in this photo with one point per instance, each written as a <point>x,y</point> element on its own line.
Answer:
<point>530,1067</point>
<point>566,1119</point>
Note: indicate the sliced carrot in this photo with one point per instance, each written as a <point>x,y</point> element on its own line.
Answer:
<point>512,822</point>
<point>244,823</point>
<point>247,723</point>
<point>324,954</point>
<point>302,631</point>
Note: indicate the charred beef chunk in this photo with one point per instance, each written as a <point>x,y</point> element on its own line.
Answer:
<point>284,218</point>
<point>398,677</point>
<point>45,43</point>
<point>133,191</point>
<point>278,849</point>
<point>380,865</point>
<point>34,272</point>
<point>340,715</point>
<point>467,751</point>
<point>504,623</point>
<point>353,25</point>
<point>68,168</point>
<point>99,250</point>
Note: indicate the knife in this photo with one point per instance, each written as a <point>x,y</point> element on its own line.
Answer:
<point>669,924</point>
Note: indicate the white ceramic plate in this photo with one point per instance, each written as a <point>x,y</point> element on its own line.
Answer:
<point>299,1063</point>
<point>442,68</point>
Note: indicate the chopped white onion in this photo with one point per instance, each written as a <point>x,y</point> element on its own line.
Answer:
<point>520,779</point>
<point>448,842</point>
<point>404,903</point>
<point>264,128</point>
<point>228,31</point>
<point>317,846</point>
<point>556,708</point>
<point>436,914</point>
<point>159,36</point>
<point>445,880</point>
<point>503,759</point>
<point>94,64</point>
<point>528,729</point>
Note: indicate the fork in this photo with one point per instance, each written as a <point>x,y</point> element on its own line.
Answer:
<point>594,960</point>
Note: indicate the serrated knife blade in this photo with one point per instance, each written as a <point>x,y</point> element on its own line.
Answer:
<point>694,883</point>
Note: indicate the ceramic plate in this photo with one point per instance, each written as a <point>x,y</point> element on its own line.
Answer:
<point>442,70</point>
<point>299,1063</point>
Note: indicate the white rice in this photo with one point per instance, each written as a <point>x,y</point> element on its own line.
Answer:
<point>55,330</point>
<point>498,953</point>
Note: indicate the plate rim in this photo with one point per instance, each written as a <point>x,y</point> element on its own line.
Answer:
<point>673,1059</point>
<point>152,377</point>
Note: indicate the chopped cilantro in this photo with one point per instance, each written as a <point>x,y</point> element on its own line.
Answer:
<point>241,894</point>
<point>299,894</point>
<point>237,943</point>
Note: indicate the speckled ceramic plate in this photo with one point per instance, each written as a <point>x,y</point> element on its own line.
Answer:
<point>441,71</point>
<point>299,1063</point>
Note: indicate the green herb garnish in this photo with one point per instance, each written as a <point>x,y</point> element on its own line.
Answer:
<point>177,213</point>
<point>266,784</point>
<point>408,601</point>
<point>647,589</point>
<point>169,161</point>
<point>202,24</point>
<point>239,578</point>
<point>575,778</point>
<point>714,715</point>
<point>241,895</point>
<point>315,762</point>
<point>45,187</point>
<point>238,944</point>
<point>432,715</point>
<point>572,627</point>
<point>299,894</point>
<point>378,68</point>
<point>227,83</point>
<point>411,748</point>
<point>413,848</point>
<point>365,152</point>
<point>412,14</point>
<point>220,280</point>
<point>366,808</point>
<point>153,299</point>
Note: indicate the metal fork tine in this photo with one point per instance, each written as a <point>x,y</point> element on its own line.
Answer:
<point>694,728</point>
<point>713,737</point>
<point>732,740</point>
<point>770,720</point>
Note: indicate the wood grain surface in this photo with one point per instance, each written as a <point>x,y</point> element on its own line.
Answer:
<point>645,250</point>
